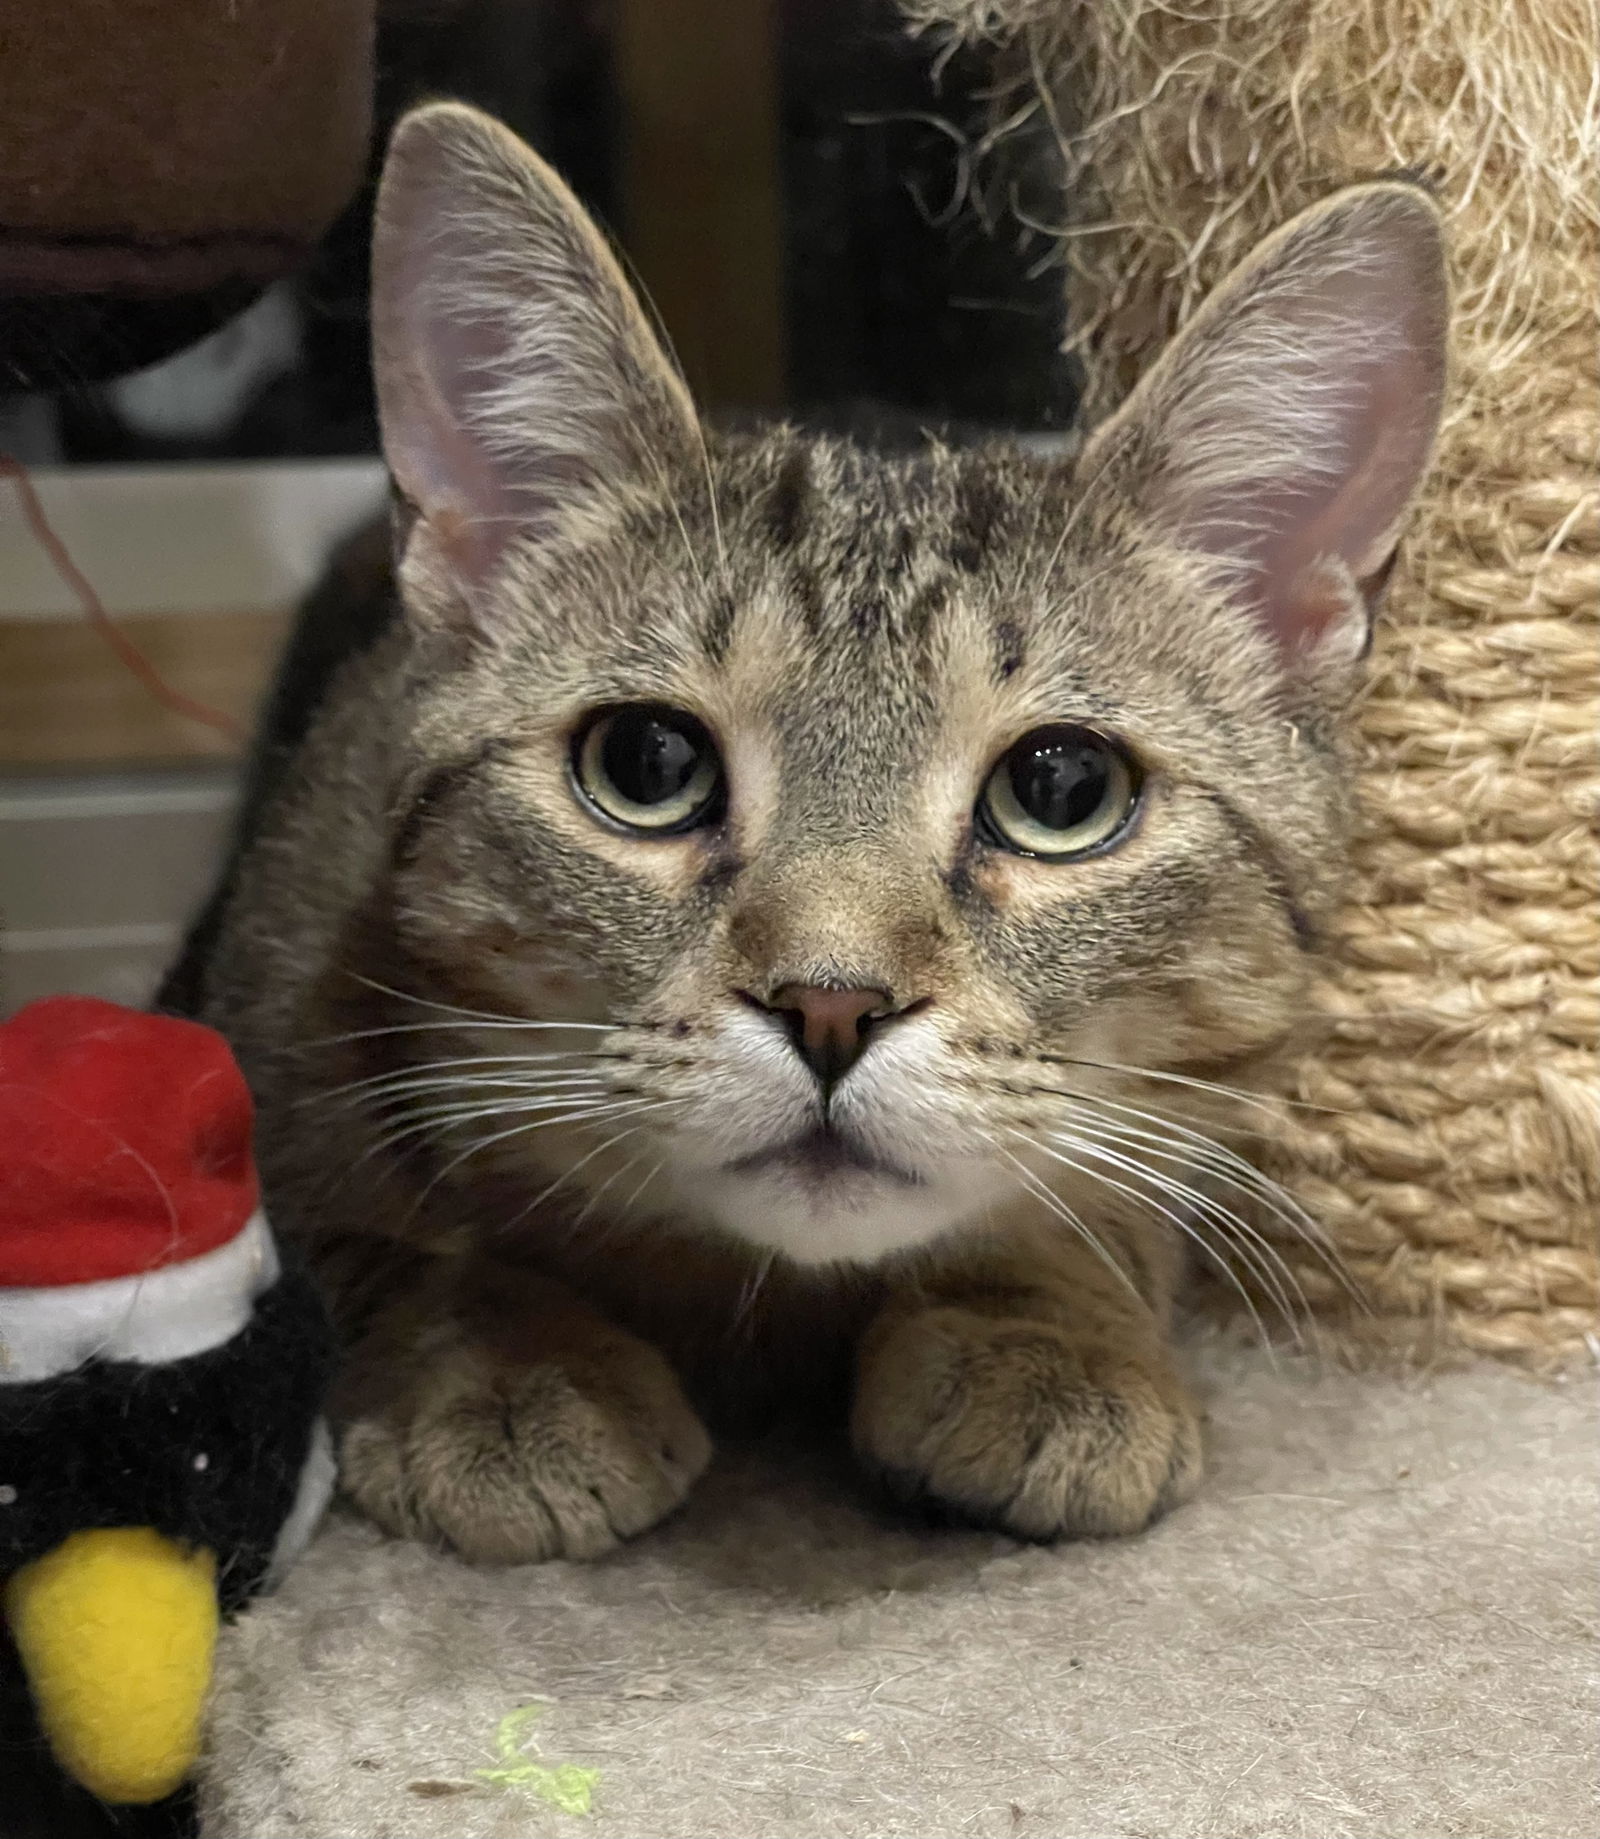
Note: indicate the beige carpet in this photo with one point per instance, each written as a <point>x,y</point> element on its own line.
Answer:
<point>1378,1622</point>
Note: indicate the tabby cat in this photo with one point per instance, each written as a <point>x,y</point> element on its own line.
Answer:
<point>766,927</point>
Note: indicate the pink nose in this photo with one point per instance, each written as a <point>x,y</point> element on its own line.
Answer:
<point>830,1026</point>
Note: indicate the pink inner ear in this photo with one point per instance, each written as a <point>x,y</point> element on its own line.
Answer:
<point>497,392</point>
<point>1317,577</point>
<point>1313,526</point>
<point>1294,418</point>
<point>1314,603</point>
<point>439,462</point>
<point>517,378</point>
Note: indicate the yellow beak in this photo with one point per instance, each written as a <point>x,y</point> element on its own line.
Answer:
<point>116,1630</point>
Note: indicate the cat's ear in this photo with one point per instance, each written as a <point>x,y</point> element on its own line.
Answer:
<point>517,375</point>
<point>1285,430</point>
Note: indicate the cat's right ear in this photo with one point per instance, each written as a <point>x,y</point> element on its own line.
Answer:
<point>1282,435</point>
<point>517,375</point>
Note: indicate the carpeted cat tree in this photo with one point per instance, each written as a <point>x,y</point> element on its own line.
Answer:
<point>1374,1621</point>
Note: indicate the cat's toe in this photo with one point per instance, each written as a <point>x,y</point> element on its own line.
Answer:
<point>518,1464</point>
<point>1020,1426</point>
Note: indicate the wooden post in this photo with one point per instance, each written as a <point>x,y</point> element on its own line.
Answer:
<point>701,204</point>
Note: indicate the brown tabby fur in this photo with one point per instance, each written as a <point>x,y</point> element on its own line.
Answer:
<point>542,1323</point>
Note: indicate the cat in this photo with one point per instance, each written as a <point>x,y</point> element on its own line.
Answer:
<point>761,927</point>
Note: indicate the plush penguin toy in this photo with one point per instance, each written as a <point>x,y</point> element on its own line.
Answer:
<point>161,1376</point>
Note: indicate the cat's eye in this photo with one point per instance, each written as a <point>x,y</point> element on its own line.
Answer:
<point>1060,791</point>
<point>649,768</point>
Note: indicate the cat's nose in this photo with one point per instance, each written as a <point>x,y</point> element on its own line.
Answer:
<point>829,1027</point>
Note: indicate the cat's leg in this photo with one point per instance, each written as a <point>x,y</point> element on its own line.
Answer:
<point>1021,1384</point>
<point>488,1407</point>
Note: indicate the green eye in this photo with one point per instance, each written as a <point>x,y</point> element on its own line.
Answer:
<point>649,768</point>
<point>1059,792</point>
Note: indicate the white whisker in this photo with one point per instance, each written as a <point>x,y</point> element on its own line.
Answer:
<point>588,1115</point>
<point>510,1083</point>
<point>430,1002</point>
<point>1228,1166</point>
<point>429,1077</point>
<point>1145,1201</point>
<point>369,1034</point>
<point>412,1118</point>
<point>454,1116</point>
<point>1236,1093</point>
<point>711,501</point>
<point>1190,1149</point>
<point>1264,1263</point>
<point>544,1193</point>
<point>750,1292</point>
<point>595,1194</point>
<point>455,1060</point>
<point>650,1174</point>
<point>1261,1255</point>
<point>665,482</point>
<point>419,1121</point>
<point>1062,1211</point>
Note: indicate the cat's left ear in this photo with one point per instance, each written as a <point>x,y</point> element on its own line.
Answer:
<point>518,379</point>
<point>1285,430</point>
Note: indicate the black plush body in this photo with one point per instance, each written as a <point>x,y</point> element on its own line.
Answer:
<point>119,1443</point>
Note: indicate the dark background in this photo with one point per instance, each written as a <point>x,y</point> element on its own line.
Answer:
<point>913,292</point>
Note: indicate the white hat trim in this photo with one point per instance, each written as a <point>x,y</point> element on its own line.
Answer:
<point>315,1489</point>
<point>155,1316</point>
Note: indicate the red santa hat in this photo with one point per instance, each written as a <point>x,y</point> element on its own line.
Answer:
<point>129,1216</point>
<point>124,1142</point>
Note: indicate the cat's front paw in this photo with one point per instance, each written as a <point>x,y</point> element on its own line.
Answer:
<point>1021,1426</point>
<point>515,1463</point>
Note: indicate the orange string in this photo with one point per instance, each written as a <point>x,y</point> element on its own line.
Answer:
<point>99,619</point>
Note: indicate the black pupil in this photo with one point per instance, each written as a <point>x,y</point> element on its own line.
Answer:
<point>650,757</point>
<point>1060,783</point>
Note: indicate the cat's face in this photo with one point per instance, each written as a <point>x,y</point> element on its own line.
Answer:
<point>866,801</point>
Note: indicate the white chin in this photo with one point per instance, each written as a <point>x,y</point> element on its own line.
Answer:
<point>851,1217</point>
